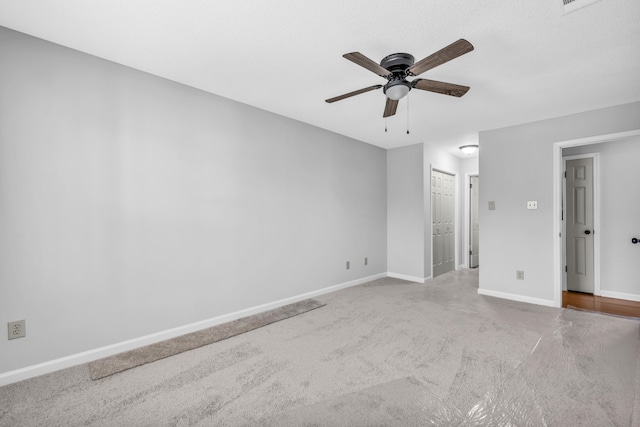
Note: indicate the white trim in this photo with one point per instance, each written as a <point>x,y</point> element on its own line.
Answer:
<point>597,139</point>
<point>516,297</point>
<point>558,266</point>
<point>620,295</point>
<point>109,350</point>
<point>596,217</point>
<point>406,277</point>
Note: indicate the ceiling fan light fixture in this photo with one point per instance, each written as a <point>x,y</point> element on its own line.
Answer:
<point>397,89</point>
<point>469,149</point>
<point>398,66</point>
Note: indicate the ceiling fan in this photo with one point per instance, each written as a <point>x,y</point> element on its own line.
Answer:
<point>398,66</point>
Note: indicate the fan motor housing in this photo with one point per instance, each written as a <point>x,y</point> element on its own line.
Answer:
<point>397,63</point>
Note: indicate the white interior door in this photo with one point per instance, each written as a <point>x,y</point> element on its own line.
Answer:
<point>579,225</point>
<point>443,225</point>
<point>474,247</point>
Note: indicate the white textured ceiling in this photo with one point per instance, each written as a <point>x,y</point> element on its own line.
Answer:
<point>531,61</point>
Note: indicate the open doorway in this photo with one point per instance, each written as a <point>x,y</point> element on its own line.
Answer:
<point>621,270</point>
<point>474,221</point>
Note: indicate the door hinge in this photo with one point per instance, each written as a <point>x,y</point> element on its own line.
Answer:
<point>565,269</point>
<point>470,252</point>
<point>565,174</point>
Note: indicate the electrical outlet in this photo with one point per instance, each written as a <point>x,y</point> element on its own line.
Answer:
<point>532,204</point>
<point>492,206</point>
<point>348,265</point>
<point>17,329</point>
<point>519,275</point>
<point>366,261</point>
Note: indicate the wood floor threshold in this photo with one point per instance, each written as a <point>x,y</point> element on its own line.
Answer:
<point>599,304</point>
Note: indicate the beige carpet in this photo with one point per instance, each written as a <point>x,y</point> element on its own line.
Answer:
<point>574,363</point>
<point>140,356</point>
<point>386,353</point>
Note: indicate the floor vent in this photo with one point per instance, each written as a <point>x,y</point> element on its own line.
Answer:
<point>572,5</point>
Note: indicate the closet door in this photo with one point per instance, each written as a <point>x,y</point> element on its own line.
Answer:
<point>443,225</point>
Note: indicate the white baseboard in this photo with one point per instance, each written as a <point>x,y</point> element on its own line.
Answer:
<point>619,295</point>
<point>98,353</point>
<point>406,277</point>
<point>516,297</point>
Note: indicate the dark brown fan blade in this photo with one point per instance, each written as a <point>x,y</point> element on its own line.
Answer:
<point>446,54</point>
<point>390,108</point>
<point>440,87</point>
<point>365,62</point>
<point>354,93</point>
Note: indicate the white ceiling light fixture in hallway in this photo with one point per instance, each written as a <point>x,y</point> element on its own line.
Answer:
<point>469,149</point>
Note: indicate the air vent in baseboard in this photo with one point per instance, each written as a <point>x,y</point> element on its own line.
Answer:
<point>571,5</point>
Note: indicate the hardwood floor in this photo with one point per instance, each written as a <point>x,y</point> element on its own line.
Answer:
<point>619,307</point>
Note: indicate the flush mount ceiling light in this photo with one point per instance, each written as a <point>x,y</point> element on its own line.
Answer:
<point>469,149</point>
<point>397,89</point>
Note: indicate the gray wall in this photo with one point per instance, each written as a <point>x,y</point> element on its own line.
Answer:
<point>409,207</point>
<point>405,212</point>
<point>619,215</point>
<point>516,165</point>
<point>130,204</point>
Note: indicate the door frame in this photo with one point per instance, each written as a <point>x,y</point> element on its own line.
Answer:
<point>456,230</point>
<point>558,183</point>
<point>596,218</point>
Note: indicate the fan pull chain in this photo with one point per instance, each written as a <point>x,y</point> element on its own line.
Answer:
<point>407,115</point>
<point>385,124</point>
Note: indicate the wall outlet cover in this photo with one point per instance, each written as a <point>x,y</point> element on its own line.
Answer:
<point>17,329</point>
<point>492,206</point>
<point>532,204</point>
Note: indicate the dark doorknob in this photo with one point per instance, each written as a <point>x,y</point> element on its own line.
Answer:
<point>587,231</point>
<point>634,240</point>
